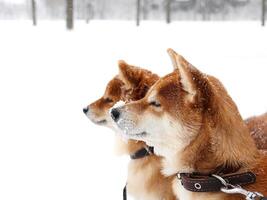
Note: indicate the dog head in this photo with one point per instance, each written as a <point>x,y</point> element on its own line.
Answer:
<point>97,111</point>
<point>169,112</point>
<point>186,111</point>
<point>131,84</point>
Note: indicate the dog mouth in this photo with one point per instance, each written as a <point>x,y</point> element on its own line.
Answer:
<point>141,134</point>
<point>135,135</point>
<point>101,122</point>
<point>129,129</point>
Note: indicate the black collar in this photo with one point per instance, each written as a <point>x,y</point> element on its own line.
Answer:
<point>141,153</point>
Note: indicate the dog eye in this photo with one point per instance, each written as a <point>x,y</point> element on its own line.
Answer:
<point>154,103</point>
<point>108,100</point>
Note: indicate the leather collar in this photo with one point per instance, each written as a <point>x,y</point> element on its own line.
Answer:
<point>196,182</point>
<point>141,153</point>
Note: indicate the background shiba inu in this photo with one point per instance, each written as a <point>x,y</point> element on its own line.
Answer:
<point>193,123</point>
<point>145,180</point>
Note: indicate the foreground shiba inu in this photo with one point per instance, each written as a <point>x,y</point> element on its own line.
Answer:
<point>193,123</point>
<point>258,128</point>
<point>145,180</point>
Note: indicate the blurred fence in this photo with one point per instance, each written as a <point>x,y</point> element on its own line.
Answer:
<point>169,10</point>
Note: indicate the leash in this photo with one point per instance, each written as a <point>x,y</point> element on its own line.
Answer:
<point>237,189</point>
<point>227,183</point>
<point>124,193</point>
<point>141,153</point>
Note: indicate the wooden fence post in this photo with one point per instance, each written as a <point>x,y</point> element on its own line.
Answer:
<point>89,12</point>
<point>34,20</point>
<point>168,11</point>
<point>204,9</point>
<point>138,6</point>
<point>69,14</point>
<point>263,12</point>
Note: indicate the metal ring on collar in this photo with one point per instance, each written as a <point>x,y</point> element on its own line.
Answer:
<point>221,179</point>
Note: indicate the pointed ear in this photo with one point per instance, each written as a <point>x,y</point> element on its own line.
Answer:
<point>185,70</point>
<point>129,74</point>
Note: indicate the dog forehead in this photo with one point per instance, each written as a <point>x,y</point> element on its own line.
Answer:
<point>167,84</point>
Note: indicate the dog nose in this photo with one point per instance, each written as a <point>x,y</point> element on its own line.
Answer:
<point>85,110</point>
<point>115,114</point>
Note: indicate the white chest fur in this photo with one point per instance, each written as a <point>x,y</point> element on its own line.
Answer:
<point>138,177</point>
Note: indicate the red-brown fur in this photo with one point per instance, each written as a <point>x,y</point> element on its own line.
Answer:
<point>258,128</point>
<point>145,180</point>
<point>234,145</point>
<point>217,133</point>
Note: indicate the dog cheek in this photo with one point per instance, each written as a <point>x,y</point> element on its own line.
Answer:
<point>139,108</point>
<point>99,109</point>
<point>132,120</point>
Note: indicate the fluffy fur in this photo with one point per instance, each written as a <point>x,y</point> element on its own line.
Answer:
<point>258,128</point>
<point>145,180</point>
<point>194,124</point>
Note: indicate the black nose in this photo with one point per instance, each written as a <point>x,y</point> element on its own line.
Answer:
<point>85,110</point>
<point>115,114</point>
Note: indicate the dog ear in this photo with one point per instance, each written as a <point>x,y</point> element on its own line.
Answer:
<point>185,70</point>
<point>129,74</point>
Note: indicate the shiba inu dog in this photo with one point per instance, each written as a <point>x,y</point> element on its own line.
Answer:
<point>258,128</point>
<point>194,124</point>
<point>145,180</point>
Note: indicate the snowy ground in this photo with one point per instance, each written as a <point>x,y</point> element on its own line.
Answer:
<point>48,148</point>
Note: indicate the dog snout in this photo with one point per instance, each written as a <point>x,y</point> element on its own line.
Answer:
<point>115,114</point>
<point>85,110</point>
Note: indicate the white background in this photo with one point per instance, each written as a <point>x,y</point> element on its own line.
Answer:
<point>48,148</point>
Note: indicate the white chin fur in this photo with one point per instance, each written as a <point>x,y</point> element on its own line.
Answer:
<point>123,136</point>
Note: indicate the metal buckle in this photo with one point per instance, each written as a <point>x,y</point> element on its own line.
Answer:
<point>179,176</point>
<point>221,179</point>
<point>236,189</point>
<point>148,150</point>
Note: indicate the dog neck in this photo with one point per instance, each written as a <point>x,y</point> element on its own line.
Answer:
<point>225,143</point>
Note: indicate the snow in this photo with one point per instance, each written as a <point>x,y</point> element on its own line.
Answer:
<point>13,1</point>
<point>48,148</point>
